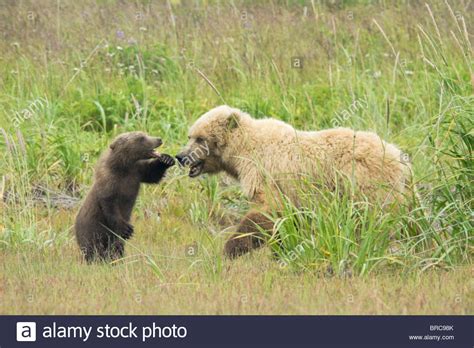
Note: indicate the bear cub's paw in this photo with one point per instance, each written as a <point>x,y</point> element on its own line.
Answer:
<point>167,160</point>
<point>126,230</point>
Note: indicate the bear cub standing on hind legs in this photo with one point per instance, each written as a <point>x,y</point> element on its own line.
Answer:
<point>103,221</point>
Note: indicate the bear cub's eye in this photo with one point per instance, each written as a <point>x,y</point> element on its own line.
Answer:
<point>200,140</point>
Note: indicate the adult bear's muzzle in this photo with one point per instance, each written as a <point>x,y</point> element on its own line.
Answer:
<point>195,165</point>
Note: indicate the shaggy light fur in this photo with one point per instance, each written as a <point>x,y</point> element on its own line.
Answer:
<point>267,155</point>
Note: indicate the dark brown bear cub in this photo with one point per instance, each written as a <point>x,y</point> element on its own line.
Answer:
<point>105,214</point>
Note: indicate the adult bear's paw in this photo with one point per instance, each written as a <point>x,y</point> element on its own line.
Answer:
<point>237,246</point>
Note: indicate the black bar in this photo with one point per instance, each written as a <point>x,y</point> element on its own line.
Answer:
<point>240,331</point>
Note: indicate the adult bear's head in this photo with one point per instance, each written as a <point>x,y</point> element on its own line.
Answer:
<point>208,138</point>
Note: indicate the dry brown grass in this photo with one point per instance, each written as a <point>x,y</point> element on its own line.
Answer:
<point>54,281</point>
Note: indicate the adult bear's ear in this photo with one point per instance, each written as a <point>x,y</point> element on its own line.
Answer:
<point>233,121</point>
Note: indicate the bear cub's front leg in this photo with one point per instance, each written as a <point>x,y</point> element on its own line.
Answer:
<point>153,170</point>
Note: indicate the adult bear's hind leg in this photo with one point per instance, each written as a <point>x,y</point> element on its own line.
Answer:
<point>248,235</point>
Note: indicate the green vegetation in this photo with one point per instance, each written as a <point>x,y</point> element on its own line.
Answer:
<point>75,74</point>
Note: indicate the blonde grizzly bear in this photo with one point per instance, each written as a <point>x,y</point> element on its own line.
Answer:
<point>268,157</point>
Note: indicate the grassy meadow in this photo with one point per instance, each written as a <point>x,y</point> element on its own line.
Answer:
<point>74,74</point>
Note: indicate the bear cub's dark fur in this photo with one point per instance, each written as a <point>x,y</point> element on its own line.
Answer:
<point>105,213</point>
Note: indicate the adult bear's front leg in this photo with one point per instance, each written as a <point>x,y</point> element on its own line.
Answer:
<point>249,234</point>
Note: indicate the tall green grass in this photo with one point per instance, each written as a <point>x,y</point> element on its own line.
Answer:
<point>103,71</point>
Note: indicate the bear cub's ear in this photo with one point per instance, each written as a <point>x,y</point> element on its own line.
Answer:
<point>233,121</point>
<point>116,143</point>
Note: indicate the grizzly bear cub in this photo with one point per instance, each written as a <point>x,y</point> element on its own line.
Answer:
<point>103,222</point>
